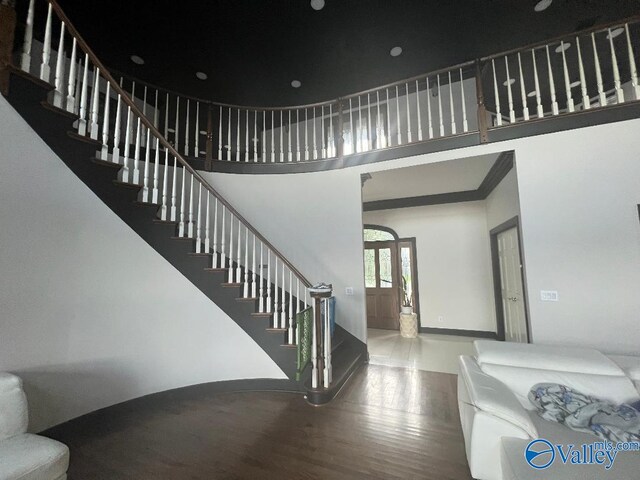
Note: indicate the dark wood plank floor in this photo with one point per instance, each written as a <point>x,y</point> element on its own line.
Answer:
<point>388,423</point>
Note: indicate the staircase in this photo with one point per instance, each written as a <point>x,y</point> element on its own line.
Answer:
<point>102,136</point>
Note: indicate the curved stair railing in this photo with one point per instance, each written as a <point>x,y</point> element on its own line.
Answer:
<point>126,136</point>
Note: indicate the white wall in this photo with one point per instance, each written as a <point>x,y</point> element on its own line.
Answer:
<point>454,262</point>
<point>92,315</point>
<point>503,203</point>
<point>578,193</point>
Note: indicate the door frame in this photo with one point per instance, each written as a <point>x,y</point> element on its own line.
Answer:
<point>497,283</point>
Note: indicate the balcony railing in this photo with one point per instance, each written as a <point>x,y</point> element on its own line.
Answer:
<point>589,70</point>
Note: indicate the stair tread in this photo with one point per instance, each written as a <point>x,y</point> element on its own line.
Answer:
<point>273,329</point>
<point>215,269</point>
<point>164,222</point>
<point>247,299</point>
<point>131,186</point>
<point>105,163</point>
<point>182,238</point>
<point>61,111</point>
<point>33,79</point>
<point>140,203</point>
<point>84,138</point>
<point>262,314</point>
<point>200,254</point>
<point>229,285</point>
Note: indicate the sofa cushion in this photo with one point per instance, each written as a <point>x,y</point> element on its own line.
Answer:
<point>32,457</point>
<point>13,406</point>
<point>546,357</point>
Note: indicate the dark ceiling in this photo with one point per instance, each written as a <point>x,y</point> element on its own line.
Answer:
<point>252,49</point>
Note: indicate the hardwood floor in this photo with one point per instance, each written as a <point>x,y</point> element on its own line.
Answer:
<point>388,423</point>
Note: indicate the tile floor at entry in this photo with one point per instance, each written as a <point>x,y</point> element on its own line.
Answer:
<point>434,353</point>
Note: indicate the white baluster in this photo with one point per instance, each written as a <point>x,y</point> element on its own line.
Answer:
<point>398,129</point>
<point>45,69</point>
<point>190,223</point>
<point>512,113</point>
<point>238,139</point>
<point>586,102</point>
<point>245,289</point>
<point>298,158</point>
<point>276,294</point>
<point>127,147</point>
<point>359,128</point>
<point>144,113</point>
<point>497,94</point>
<point>306,135</point>
<point>406,85</point>
<point>283,310</point>
<point>601,95</point>
<point>182,222</point>
<point>323,152</point>
<point>539,109</point>
<point>246,137</point>
<point>465,123</point>
<point>290,156</point>
<point>136,156</point>
<point>281,145</point>
<point>268,281</point>
<point>207,240</point>
<point>418,110</point>
<point>115,154</point>
<point>290,321</point>
<point>198,220</point>
<point>440,107</point>
<point>231,269</point>
<point>95,99</point>
<point>239,253</point>
<point>223,261</point>
<point>632,64</point>
<point>567,81</point>
<point>264,136</point>
<point>166,118</point>
<point>174,176</point>
<point>156,112</point>
<point>229,137</point>
<point>165,179</point>
<point>220,135</point>
<point>429,120</point>
<point>379,123</point>
<point>273,136</point>
<point>25,59</point>
<point>58,93</point>
<point>176,127</point>
<point>297,311</point>
<point>215,232</point>
<point>451,107</point>
<point>196,148</point>
<point>523,91</point>
<point>156,166</point>
<point>616,71</point>
<point>255,136</point>
<point>388,136</point>
<point>369,136</point>
<point>133,99</point>
<point>315,146</point>
<point>261,301</point>
<point>82,122</point>
<point>331,139</point>
<point>104,152</point>
<point>71,84</point>
<point>145,175</point>
<point>552,85</point>
<point>254,292</point>
<point>352,126</point>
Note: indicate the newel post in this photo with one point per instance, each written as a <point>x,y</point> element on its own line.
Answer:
<point>482,109</point>
<point>318,293</point>
<point>7,32</point>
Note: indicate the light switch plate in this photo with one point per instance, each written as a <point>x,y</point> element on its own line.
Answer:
<point>348,291</point>
<point>549,295</point>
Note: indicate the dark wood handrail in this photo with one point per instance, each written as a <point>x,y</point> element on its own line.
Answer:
<point>125,98</point>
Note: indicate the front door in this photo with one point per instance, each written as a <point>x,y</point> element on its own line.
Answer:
<point>381,281</point>
<point>515,326</point>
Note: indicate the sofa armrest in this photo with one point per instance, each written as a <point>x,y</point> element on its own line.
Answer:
<point>13,406</point>
<point>493,397</point>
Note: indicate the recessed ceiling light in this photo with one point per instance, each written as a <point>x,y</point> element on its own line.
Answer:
<point>296,83</point>
<point>575,84</point>
<point>615,32</point>
<point>563,47</point>
<point>511,81</point>
<point>395,51</point>
<point>317,4</point>
<point>137,60</point>
<point>532,93</point>
<point>202,75</point>
<point>542,5</point>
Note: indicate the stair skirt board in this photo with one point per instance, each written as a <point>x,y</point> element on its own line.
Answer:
<point>28,95</point>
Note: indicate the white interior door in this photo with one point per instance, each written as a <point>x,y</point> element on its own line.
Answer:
<point>512,289</point>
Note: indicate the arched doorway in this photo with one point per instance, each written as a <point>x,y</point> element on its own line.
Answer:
<point>389,264</point>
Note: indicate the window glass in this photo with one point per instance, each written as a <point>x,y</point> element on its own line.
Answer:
<point>405,256</point>
<point>370,268</point>
<point>371,235</point>
<point>385,268</point>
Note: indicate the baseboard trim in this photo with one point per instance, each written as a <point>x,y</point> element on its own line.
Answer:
<point>461,333</point>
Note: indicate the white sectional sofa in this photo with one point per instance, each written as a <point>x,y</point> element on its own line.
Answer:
<point>24,456</point>
<point>498,420</point>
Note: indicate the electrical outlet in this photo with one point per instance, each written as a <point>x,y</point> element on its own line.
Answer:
<point>548,295</point>
<point>348,291</point>
<point>440,319</point>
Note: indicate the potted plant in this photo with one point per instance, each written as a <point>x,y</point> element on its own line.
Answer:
<point>407,300</point>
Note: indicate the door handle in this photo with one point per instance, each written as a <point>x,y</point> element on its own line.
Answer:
<point>513,299</point>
